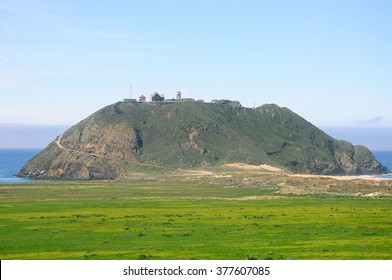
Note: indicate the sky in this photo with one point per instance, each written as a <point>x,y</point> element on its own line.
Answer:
<point>329,61</point>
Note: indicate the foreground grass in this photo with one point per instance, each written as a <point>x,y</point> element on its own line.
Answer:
<point>163,220</point>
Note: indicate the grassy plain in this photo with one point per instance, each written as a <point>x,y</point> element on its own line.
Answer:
<point>203,216</point>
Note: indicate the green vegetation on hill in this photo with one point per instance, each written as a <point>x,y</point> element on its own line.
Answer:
<point>192,134</point>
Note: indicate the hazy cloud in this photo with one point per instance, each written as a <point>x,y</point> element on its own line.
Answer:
<point>28,136</point>
<point>378,120</point>
<point>374,138</point>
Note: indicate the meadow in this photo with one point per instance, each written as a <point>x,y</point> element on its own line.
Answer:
<point>189,219</point>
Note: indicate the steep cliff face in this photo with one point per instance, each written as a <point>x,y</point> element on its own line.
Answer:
<point>194,134</point>
<point>89,150</point>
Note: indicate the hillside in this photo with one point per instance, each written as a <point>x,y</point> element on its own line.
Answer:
<point>120,137</point>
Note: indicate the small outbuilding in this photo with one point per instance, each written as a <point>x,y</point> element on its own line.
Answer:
<point>127,100</point>
<point>157,98</point>
<point>142,98</point>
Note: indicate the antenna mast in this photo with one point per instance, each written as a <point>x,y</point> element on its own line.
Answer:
<point>130,90</point>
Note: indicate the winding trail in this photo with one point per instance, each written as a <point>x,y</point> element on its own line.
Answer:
<point>58,143</point>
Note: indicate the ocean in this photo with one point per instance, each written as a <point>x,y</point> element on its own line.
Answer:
<point>385,157</point>
<point>12,160</point>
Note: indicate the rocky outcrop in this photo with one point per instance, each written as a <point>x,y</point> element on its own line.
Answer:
<point>192,134</point>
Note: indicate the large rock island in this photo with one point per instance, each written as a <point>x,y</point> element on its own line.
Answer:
<point>115,139</point>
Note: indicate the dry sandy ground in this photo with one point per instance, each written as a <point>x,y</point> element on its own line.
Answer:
<point>247,167</point>
<point>340,178</point>
<point>302,184</point>
<point>266,167</point>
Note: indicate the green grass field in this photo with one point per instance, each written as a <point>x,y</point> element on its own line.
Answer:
<point>189,220</point>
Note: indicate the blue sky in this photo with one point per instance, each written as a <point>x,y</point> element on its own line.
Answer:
<point>329,61</point>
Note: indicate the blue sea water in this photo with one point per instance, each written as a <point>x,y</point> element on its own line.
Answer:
<point>385,158</point>
<point>12,160</point>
